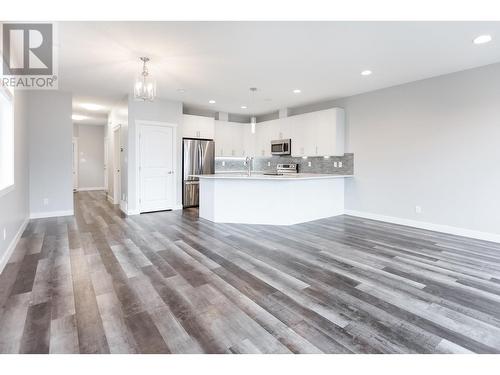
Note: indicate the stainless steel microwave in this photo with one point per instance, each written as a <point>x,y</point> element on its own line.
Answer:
<point>281,147</point>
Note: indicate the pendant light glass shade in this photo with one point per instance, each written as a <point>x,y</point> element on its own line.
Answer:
<point>253,122</point>
<point>145,87</point>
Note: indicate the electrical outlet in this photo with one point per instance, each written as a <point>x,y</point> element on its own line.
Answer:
<point>309,164</point>
<point>46,201</point>
<point>335,164</point>
<point>268,163</point>
<point>223,163</point>
<point>418,209</point>
<point>340,164</point>
<point>4,233</point>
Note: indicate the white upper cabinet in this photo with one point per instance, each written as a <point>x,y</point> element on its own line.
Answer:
<point>284,129</point>
<point>248,140</point>
<point>318,133</point>
<point>198,127</point>
<point>303,134</point>
<point>230,139</point>
<point>264,134</point>
<point>330,136</point>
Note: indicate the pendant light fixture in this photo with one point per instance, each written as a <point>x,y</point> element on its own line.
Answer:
<point>253,119</point>
<point>145,87</point>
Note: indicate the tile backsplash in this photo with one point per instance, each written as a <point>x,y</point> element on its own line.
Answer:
<point>319,164</point>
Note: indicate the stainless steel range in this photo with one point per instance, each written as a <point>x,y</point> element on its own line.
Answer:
<point>284,169</point>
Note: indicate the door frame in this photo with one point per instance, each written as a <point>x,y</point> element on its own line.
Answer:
<point>76,163</point>
<point>139,125</point>
<point>117,190</point>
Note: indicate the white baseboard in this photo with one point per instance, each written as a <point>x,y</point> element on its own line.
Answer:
<point>12,246</point>
<point>123,206</point>
<point>126,211</point>
<point>428,226</point>
<point>41,215</point>
<point>91,188</point>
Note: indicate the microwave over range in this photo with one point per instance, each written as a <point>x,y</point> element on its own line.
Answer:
<point>281,147</point>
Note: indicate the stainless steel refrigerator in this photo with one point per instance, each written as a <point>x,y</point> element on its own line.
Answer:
<point>198,157</point>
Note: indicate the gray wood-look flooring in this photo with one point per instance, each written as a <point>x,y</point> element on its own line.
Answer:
<point>169,282</point>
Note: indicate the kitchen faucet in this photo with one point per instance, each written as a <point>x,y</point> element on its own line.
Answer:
<point>249,164</point>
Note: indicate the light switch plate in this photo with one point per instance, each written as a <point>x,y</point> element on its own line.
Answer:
<point>340,164</point>
<point>309,164</point>
<point>268,163</point>
<point>223,163</point>
<point>335,164</point>
<point>46,201</point>
<point>418,209</point>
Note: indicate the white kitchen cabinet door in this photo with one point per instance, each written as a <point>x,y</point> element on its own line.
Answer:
<point>303,134</point>
<point>274,130</point>
<point>330,132</point>
<point>221,137</point>
<point>263,139</point>
<point>248,141</point>
<point>236,139</point>
<point>198,127</point>
<point>285,129</point>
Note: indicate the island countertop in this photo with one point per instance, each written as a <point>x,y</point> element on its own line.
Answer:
<point>261,176</point>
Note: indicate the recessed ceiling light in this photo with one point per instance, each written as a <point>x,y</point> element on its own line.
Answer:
<point>366,72</point>
<point>78,117</point>
<point>482,39</point>
<point>181,91</point>
<point>211,101</point>
<point>297,91</point>
<point>243,107</point>
<point>92,106</point>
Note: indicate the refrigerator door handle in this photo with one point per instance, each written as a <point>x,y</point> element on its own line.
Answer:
<point>200,158</point>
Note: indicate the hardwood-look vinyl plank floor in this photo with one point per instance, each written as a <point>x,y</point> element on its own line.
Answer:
<point>169,282</point>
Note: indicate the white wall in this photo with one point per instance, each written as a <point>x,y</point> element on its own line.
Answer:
<point>50,157</point>
<point>118,117</point>
<point>14,206</point>
<point>433,143</point>
<point>90,157</point>
<point>160,110</point>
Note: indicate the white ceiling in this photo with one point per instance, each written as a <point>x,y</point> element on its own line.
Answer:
<point>98,61</point>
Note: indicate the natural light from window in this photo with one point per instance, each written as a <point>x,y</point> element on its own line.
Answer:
<point>6,141</point>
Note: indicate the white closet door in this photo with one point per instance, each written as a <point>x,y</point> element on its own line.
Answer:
<point>157,178</point>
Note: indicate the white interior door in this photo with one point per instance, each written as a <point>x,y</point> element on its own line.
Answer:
<point>156,168</point>
<point>116,166</point>
<point>106,158</point>
<point>75,164</point>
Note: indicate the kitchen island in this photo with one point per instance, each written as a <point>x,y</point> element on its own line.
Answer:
<point>270,199</point>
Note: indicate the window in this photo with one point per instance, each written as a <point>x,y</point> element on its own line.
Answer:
<point>6,141</point>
